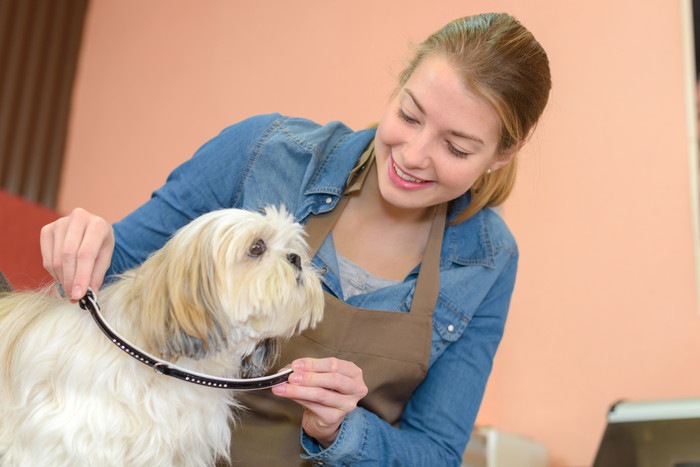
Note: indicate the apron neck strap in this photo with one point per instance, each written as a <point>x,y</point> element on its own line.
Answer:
<point>428,282</point>
<point>319,226</point>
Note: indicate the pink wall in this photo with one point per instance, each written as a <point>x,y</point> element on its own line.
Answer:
<point>605,305</point>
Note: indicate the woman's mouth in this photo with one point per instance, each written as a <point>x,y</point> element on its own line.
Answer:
<point>403,179</point>
<point>405,176</point>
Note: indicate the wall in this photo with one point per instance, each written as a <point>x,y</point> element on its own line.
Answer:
<point>605,304</point>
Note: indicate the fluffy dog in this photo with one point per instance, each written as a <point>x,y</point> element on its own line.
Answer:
<point>226,282</point>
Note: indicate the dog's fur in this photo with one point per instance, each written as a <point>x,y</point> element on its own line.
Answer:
<point>69,397</point>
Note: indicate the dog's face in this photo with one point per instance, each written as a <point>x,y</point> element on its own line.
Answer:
<point>230,276</point>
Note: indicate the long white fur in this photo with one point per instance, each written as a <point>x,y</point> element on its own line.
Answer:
<point>69,397</point>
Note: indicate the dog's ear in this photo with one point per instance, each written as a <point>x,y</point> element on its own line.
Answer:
<point>179,300</point>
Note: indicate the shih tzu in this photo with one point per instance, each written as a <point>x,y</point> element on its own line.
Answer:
<point>202,309</point>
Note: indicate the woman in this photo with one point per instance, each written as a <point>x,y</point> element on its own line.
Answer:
<point>417,270</point>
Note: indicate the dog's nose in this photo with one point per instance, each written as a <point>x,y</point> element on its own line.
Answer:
<point>295,259</point>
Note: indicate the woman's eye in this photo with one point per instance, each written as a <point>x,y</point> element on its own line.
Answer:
<point>405,117</point>
<point>456,151</point>
<point>257,248</point>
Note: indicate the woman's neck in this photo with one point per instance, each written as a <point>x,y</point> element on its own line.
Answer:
<point>385,240</point>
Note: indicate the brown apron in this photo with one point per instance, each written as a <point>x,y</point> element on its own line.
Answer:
<point>392,349</point>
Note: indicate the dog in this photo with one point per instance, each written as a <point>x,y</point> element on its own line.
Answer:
<point>224,284</point>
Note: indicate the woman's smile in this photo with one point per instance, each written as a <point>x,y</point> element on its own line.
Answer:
<point>403,179</point>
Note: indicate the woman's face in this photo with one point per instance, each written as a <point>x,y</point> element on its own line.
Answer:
<point>435,138</point>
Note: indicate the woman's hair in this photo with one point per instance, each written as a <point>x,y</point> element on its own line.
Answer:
<point>503,62</point>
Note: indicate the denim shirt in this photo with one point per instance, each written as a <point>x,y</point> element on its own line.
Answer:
<point>278,160</point>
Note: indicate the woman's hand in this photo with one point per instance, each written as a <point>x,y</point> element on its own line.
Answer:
<point>328,389</point>
<point>77,250</point>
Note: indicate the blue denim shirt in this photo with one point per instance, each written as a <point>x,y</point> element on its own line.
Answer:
<point>277,160</point>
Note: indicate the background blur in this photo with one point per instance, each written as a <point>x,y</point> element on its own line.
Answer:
<point>605,307</point>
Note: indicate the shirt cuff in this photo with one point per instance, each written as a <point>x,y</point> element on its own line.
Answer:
<point>348,445</point>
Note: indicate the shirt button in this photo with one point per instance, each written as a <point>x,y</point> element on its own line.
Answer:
<point>329,200</point>
<point>450,328</point>
<point>324,270</point>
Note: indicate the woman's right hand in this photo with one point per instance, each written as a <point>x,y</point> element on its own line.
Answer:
<point>77,251</point>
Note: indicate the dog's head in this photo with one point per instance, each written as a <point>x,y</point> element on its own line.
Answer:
<point>229,278</point>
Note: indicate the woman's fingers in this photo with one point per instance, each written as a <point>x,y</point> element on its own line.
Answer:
<point>77,251</point>
<point>67,250</point>
<point>328,389</point>
<point>52,239</point>
<point>47,243</point>
<point>93,256</point>
<point>328,381</point>
<point>350,383</point>
<point>329,370</point>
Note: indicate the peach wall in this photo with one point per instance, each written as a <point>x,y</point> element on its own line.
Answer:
<point>605,305</point>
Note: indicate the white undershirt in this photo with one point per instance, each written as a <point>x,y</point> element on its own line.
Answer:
<point>355,279</point>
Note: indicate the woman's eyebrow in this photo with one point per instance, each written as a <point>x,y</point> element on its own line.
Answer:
<point>456,133</point>
<point>415,101</point>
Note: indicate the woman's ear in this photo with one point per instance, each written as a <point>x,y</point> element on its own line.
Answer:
<point>505,157</point>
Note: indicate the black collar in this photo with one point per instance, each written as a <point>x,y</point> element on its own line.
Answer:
<point>89,302</point>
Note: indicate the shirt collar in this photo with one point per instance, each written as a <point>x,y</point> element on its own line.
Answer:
<point>472,241</point>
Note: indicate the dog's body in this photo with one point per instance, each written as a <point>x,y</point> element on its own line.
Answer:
<point>223,284</point>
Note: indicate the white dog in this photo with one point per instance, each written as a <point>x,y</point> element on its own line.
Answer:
<point>228,281</point>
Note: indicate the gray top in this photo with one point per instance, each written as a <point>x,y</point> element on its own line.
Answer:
<point>355,280</point>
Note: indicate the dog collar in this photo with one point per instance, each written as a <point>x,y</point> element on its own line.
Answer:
<point>89,302</point>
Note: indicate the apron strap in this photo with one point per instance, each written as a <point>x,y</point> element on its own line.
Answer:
<point>428,283</point>
<point>319,226</point>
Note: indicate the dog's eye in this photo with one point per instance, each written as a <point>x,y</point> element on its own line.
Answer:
<point>257,248</point>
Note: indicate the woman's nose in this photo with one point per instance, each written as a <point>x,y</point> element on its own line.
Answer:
<point>417,151</point>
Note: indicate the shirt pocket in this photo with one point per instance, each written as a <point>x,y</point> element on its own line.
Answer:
<point>449,323</point>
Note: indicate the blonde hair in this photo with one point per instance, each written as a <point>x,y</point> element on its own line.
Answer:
<point>502,61</point>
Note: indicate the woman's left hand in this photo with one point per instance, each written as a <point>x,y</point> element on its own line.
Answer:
<point>328,389</point>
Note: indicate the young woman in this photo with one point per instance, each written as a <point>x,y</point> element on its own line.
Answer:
<point>418,271</point>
